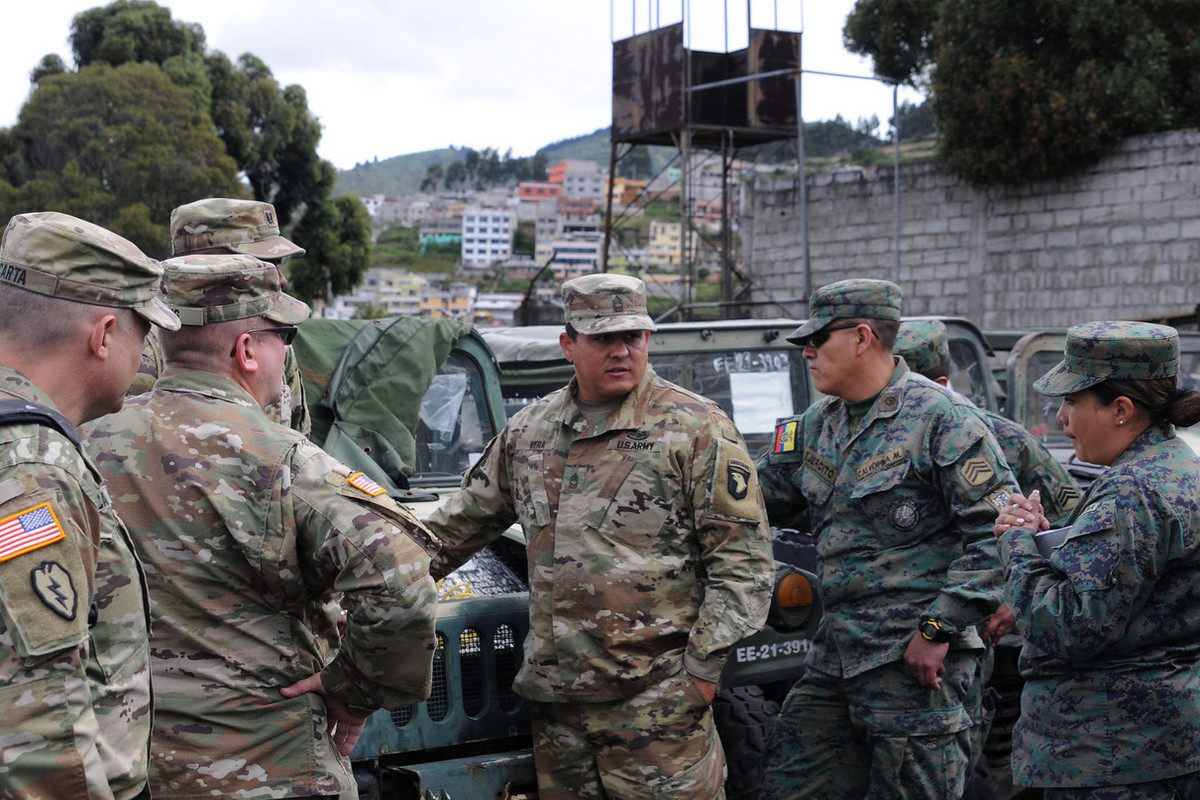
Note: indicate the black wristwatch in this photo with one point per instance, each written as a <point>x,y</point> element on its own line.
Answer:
<point>934,631</point>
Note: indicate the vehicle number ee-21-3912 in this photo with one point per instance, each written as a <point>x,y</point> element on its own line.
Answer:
<point>765,652</point>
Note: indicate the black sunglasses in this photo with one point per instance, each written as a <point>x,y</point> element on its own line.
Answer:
<point>822,336</point>
<point>287,333</point>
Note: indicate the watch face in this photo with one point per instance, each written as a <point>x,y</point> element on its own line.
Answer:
<point>934,632</point>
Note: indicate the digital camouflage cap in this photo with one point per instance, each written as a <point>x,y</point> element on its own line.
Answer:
<point>857,298</point>
<point>604,303</point>
<point>923,344</point>
<point>210,288</point>
<point>249,227</point>
<point>58,255</point>
<point>1098,351</point>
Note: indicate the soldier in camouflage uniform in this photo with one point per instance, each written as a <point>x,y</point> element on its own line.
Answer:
<point>662,562</point>
<point>901,481</point>
<point>248,530</point>
<point>76,301</point>
<point>248,227</point>
<point>1111,616</point>
<point>923,345</point>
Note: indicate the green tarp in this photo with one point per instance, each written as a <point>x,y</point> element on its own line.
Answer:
<point>364,380</point>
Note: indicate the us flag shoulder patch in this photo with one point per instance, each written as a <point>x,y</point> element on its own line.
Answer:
<point>364,484</point>
<point>28,530</point>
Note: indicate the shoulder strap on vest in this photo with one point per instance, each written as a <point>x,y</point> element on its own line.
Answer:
<point>14,410</point>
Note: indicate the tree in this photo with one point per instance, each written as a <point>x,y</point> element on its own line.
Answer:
<point>1033,89</point>
<point>896,34</point>
<point>118,146</point>
<point>1036,88</point>
<point>337,236</point>
<point>132,31</point>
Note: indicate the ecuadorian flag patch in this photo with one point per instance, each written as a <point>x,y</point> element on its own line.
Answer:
<point>785,437</point>
<point>364,484</point>
<point>28,530</point>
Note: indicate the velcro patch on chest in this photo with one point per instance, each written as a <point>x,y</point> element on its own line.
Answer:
<point>636,442</point>
<point>889,459</point>
<point>818,465</point>
<point>976,471</point>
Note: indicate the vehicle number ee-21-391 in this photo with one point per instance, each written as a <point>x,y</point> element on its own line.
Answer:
<point>765,652</point>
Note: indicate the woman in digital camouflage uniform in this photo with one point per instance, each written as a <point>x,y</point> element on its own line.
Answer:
<point>1111,615</point>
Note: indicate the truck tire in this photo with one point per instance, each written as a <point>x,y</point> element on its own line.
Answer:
<point>744,720</point>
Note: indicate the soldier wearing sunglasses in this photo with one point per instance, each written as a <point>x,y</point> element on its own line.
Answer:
<point>248,530</point>
<point>900,480</point>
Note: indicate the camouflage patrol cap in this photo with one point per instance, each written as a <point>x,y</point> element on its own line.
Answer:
<point>206,288</point>
<point>1098,351</point>
<point>857,298</point>
<point>604,303</point>
<point>922,343</point>
<point>58,255</point>
<point>249,227</point>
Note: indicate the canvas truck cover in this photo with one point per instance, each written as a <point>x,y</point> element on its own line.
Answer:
<point>365,381</point>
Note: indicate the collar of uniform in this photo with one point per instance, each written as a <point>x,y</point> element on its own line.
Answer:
<point>1149,438</point>
<point>17,385</point>
<point>630,416</point>
<point>209,384</point>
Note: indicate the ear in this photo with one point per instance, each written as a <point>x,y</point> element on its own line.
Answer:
<point>244,354</point>
<point>942,380</point>
<point>568,346</point>
<point>864,334</point>
<point>1123,410</point>
<point>100,337</point>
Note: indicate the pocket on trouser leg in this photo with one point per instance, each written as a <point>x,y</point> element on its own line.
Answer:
<point>654,772</point>
<point>921,755</point>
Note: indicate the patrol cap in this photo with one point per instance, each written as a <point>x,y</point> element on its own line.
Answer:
<point>249,227</point>
<point>58,255</point>
<point>206,288</point>
<point>923,344</point>
<point>605,302</point>
<point>1097,351</point>
<point>857,298</point>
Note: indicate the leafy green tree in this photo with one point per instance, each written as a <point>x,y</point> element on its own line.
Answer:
<point>1033,89</point>
<point>896,34</point>
<point>1036,88</point>
<point>267,128</point>
<point>132,31</point>
<point>337,235</point>
<point>118,146</point>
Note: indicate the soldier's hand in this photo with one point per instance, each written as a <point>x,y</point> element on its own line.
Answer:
<point>707,688</point>
<point>926,660</point>
<point>1022,512</point>
<point>345,726</point>
<point>999,623</point>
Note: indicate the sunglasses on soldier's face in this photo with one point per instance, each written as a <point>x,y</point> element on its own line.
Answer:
<point>286,333</point>
<point>822,336</point>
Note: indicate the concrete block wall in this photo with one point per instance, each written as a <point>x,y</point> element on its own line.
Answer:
<point>1119,240</point>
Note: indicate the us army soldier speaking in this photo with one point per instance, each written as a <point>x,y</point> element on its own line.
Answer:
<point>649,556</point>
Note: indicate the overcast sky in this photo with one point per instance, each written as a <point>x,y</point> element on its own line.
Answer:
<point>392,77</point>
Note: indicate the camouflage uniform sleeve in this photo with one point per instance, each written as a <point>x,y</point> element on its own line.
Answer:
<point>478,513</point>
<point>735,547</point>
<point>1078,602</point>
<point>785,506</point>
<point>49,748</point>
<point>976,480</point>
<point>356,541</point>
